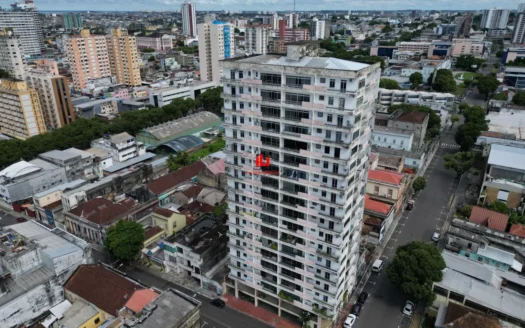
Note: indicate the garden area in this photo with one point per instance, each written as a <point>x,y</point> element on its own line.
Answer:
<point>465,76</point>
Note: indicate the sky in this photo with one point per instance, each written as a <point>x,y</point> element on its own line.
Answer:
<point>269,5</point>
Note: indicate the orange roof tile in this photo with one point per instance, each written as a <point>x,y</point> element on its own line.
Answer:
<point>486,217</point>
<point>140,299</point>
<point>385,176</point>
<point>376,206</point>
<point>517,230</point>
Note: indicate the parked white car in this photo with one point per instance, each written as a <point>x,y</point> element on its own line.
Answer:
<point>409,308</point>
<point>350,320</point>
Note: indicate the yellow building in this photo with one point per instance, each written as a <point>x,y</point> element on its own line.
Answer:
<point>20,110</point>
<point>123,57</point>
<point>170,221</point>
<point>82,315</point>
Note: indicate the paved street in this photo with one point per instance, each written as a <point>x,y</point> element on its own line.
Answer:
<point>7,218</point>
<point>383,308</point>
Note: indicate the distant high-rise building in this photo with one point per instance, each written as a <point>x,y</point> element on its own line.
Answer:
<point>20,112</point>
<point>189,19</point>
<point>464,23</point>
<point>256,39</point>
<point>72,21</point>
<point>123,57</point>
<point>292,19</point>
<point>317,29</point>
<point>495,18</point>
<point>292,34</point>
<point>88,58</point>
<point>11,55</point>
<point>518,35</point>
<point>521,8</point>
<point>275,21</point>
<point>216,42</point>
<point>23,20</point>
<point>55,100</point>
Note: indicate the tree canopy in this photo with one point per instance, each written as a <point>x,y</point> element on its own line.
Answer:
<point>500,96</point>
<point>419,184</point>
<point>389,84</point>
<point>519,98</point>
<point>415,267</point>
<point>125,240</point>
<point>434,121</point>
<point>476,115</point>
<point>416,79</point>
<point>460,162</point>
<point>444,81</point>
<point>475,122</point>
<point>487,84</point>
<point>147,50</point>
<point>4,74</point>
<point>467,62</point>
<point>80,133</point>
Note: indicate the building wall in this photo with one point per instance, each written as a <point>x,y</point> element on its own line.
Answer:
<point>25,24</point>
<point>11,55</point>
<point>467,47</point>
<point>395,141</point>
<point>518,35</point>
<point>486,260</point>
<point>171,225</point>
<point>95,321</point>
<point>189,19</point>
<point>123,58</point>
<point>382,190</point>
<point>216,42</point>
<point>48,199</point>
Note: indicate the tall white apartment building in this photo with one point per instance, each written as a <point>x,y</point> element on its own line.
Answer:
<point>189,19</point>
<point>292,20</point>
<point>298,133</point>
<point>274,21</point>
<point>256,39</point>
<point>495,18</point>
<point>216,42</point>
<point>521,8</point>
<point>317,29</point>
<point>518,35</point>
<point>25,23</point>
<point>11,54</point>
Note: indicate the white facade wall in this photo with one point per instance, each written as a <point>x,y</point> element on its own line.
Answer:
<point>317,29</point>
<point>12,56</point>
<point>214,45</point>
<point>189,19</point>
<point>257,40</point>
<point>392,140</point>
<point>495,18</point>
<point>27,26</point>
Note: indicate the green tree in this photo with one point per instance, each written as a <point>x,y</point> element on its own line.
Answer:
<point>415,267</point>
<point>416,79</point>
<point>499,207</point>
<point>151,59</point>
<point>500,96</point>
<point>125,240</point>
<point>236,31</point>
<point>387,29</point>
<point>444,81</point>
<point>304,25</point>
<point>460,162</point>
<point>476,115</point>
<point>467,135</point>
<point>211,100</point>
<point>220,210</point>
<point>419,184</point>
<point>305,318</point>
<point>180,160</point>
<point>4,74</point>
<point>519,98</point>
<point>389,84</point>
<point>454,118</point>
<point>487,85</point>
<point>148,50</point>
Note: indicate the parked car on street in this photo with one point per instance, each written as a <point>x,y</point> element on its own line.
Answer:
<point>435,236</point>
<point>356,309</point>
<point>409,308</point>
<point>350,320</point>
<point>21,219</point>
<point>361,299</point>
<point>218,303</point>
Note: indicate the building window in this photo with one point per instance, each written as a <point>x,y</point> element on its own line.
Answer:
<point>323,80</point>
<point>332,83</point>
<point>330,100</point>
<point>321,98</point>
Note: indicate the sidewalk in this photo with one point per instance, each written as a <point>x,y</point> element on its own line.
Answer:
<point>257,312</point>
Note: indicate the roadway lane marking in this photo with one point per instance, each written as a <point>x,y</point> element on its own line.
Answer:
<point>204,324</point>
<point>386,257</point>
<point>371,282</point>
<point>389,247</point>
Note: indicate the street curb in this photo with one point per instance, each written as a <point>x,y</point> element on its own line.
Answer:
<point>251,316</point>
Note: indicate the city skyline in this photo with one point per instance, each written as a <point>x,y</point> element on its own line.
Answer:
<point>258,5</point>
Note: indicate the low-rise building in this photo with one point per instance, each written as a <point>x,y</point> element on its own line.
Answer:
<point>20,181</point>
<point>97,107</point>
<point>122,146</point>
<point>504,178</point>
<point>189,125</point>
<point>377,218</point>
<point>514,77</point>
<point>386,186</point>
<point>71,162</point>
<point>492,219</point>
<point>164,94</point>
<point>417,122</point>
<point>468,47</point>
<point>214,175</point>
<point>413,160</point>
<point>511,54</point>
<point>169,221</point>
<point>48,203</point>
<point>395,138</point>
<point>35,262</point>
<point>155,41</point>
<point>397,97</point>
<point>198,249</point>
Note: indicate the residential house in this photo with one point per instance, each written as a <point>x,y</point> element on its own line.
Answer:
<point>122,146</point>
<point>48,203</point>
<point>387,186</point>
<point>92,219</point>
<point>35,262</point>
<point>377,218</point>
<point>164,187</point>
<point>169,221</point>
<point>495,257</point>
<point>417,122</point>
<point>153,234</point>
<point>454,315</point>
<point>492,219</point>
<point>504,178</point>
<point>390,137</point>
<point>199,250</point>
<point>214,175</point>
<point>390,163</point>
<point>414,160</point>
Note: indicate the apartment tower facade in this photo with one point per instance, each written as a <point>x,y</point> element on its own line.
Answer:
<point>256,38</point>
<point>216,42</point>
<point>20,112</point>
<point>317,29</point>
<point>298,133</point>
<point>463,26</point>
<point>12,58</point>
<point>518,35</point>
<point>88,58</point>
<point>55,100</point>
<point>24,21</point>
<point>123,57</point>
<point>189,19</point>
<point>495,18</point>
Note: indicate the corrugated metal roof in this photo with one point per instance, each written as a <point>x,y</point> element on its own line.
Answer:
<point>129,162</point>
<point>511,157</point>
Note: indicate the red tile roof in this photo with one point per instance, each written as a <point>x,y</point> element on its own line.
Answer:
<point>198,207</point>
<point>486,217</point>
<point>153,232</point>
<point>101,210</point>
<point>174,179</point>
<point>218,167</point>
<point>390,177</point>
<point>104,288</point>
<point>517,230</point>
<point>192,191</point>
<point>163,212</point>
<point>140,299</point>
<point>412,117</point>
<point>376,206</point>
